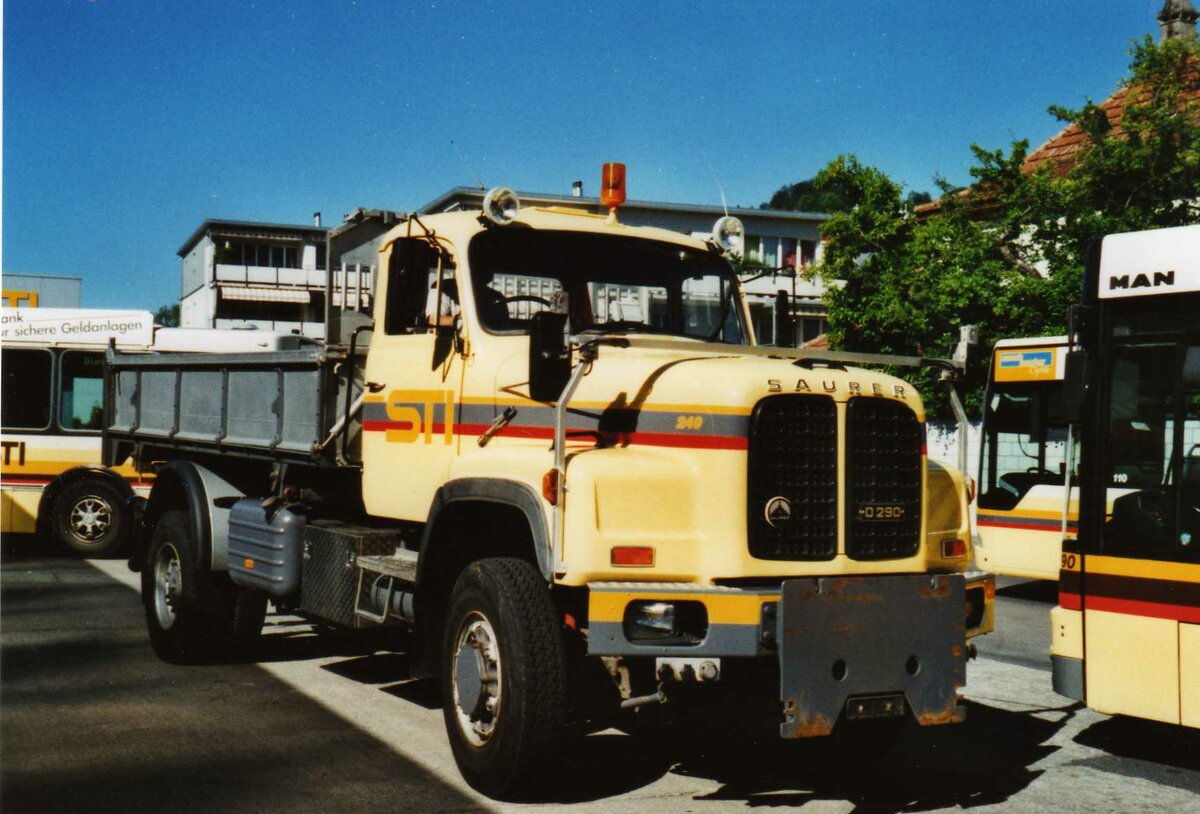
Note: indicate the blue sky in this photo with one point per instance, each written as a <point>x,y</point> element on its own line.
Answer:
<point>126,124</point>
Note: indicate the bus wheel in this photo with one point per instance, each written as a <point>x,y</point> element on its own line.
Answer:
<point>504,693</point>
<point>90,519</point>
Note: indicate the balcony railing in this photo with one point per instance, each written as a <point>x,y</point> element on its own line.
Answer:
<point>353,285</point>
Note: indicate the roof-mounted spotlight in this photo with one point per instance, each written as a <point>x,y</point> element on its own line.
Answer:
<point>729,235</point>
<point>500,205</point>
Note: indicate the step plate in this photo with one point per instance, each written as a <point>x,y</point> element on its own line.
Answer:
<point>402,566</point>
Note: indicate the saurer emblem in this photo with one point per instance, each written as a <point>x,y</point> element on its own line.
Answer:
<point>778,512</point>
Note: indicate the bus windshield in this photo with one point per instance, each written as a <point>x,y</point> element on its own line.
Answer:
<point>604,283</point>
<point>1024,442</point>
<point>1024,429</point>
<point>1151,441</point>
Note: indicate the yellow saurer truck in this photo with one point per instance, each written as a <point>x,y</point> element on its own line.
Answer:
<point>560,457</point>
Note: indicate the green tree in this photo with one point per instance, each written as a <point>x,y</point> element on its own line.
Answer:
<point>831,196</point>
<point>1008,253</point>
<point>804,196</point>
<point>167,316</point>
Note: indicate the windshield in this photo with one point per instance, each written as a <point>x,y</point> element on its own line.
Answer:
<point>1150,439</point>
<point>603,283</point>
<point>1024,442</point>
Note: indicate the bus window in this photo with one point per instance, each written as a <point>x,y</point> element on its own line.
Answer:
<point>1024,443</point>
<point>82,394</point>
<point>1152,464</point>
<point>1189,479</point>
<point>26,403</point>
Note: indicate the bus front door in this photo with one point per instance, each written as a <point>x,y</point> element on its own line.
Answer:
<point>1141,588</point>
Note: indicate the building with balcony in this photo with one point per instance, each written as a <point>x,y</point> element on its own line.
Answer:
<point>241,274</point>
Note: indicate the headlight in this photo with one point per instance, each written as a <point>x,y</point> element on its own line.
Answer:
<point>666,623</point>
<point>501,205</point>
<point>729,235</point>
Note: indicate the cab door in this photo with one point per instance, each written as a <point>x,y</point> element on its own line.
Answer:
<point>414,377</point>
<point>1141,610</point>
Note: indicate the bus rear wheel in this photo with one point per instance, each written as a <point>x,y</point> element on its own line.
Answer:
<point>90,518</point>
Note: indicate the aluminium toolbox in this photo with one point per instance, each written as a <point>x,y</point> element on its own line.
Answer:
<point>329,572</point>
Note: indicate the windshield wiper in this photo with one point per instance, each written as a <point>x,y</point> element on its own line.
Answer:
<point>622,327</point>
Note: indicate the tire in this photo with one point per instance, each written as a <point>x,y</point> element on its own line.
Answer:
<point>90,518</point>
<point>504,688</point>
<point>245,611</point>
<point>194,616</point>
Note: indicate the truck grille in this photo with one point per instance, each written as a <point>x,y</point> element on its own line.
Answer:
<point>792,481</point>
<point>883,480</point>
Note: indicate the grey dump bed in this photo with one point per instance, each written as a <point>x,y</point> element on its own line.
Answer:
<point>285,406</point>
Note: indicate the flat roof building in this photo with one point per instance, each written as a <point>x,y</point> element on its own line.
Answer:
<point>42,291</point>
<point>269,276</point>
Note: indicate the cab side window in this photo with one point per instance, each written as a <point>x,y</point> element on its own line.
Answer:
<point>412,273</point>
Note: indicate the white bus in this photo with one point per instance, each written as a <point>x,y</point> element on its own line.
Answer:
<point>51,480</point>
<point>1022,461</point>
<point>1126,632</point>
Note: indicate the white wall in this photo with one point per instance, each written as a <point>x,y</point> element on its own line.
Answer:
<point>942,441</point>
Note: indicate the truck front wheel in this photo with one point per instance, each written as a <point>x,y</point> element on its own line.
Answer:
<point>192,615</point>
<point>504,693</point>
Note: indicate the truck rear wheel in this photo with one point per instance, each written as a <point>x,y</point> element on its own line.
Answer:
<point>192,615</point>
<point>504,693</point>
<point>90,519</point>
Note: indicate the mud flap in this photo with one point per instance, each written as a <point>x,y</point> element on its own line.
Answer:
<point>861,644</point>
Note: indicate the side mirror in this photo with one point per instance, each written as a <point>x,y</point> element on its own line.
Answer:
<point>1076,381</point>
<point>549,356</point>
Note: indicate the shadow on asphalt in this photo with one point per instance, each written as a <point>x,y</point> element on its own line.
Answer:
<point>1150,741</point>
<point>287,639</point>
<point>983,761</point>
<point>1036,590</point>
<point>91,721</point>
<point>390,672</point>
<point>17,547</point>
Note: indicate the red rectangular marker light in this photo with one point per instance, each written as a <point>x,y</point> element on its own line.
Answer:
<point>954,548</point>
<point>633,555</point>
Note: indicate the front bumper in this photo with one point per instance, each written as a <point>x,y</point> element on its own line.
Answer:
<point>836,639</point>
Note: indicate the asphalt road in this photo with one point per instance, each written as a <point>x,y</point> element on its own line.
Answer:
<point>91,721</point>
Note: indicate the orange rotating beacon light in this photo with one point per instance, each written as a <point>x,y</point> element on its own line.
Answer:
<point>612,188</point>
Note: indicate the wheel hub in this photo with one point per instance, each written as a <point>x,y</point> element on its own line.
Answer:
<point>167,586</point>
<point>477,683</point>
<point>91,518</point>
